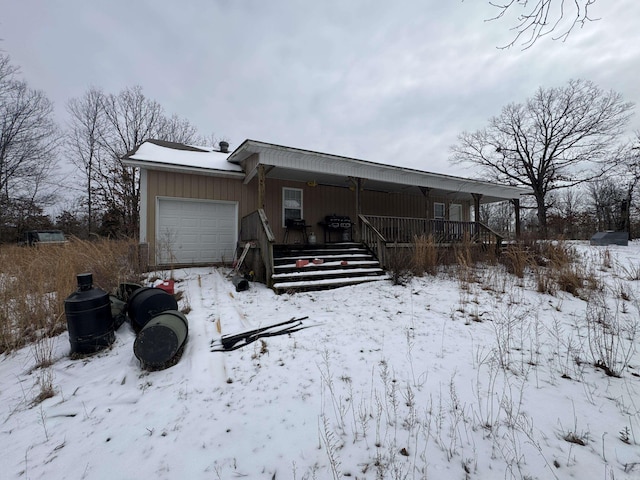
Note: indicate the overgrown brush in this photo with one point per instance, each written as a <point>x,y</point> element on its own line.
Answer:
<point>611,335</point>
<point>464,265</point>
<point>573,278</point>
<point>35,281</point>
<point>425,255</point>
<point>400,264</point>
<point>555,254</point>
<point>517,258</point>
<point>428,256</point>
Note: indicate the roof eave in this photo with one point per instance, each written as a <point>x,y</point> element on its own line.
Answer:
<point>372,170</point>
<point>168,167</point>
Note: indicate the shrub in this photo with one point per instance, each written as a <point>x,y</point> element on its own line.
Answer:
<point>570,279</point>
<point>400,264</point>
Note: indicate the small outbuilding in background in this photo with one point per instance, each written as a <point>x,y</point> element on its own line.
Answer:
<point>610,238</point>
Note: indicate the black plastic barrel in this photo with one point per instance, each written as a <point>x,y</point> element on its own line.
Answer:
<point>240,283</point>
<point>147,302</point>
<point>161,341</point>
<point>89,319</point>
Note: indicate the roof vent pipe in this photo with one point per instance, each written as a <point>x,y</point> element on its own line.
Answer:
<point>224,146</point>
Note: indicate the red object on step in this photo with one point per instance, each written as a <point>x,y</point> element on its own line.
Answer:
<point>167,285</point>
<point>301,263</point>
<point>344,262</point>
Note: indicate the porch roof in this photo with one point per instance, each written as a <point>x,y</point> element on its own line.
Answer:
<point>295,164</point>
<point>300,165</point>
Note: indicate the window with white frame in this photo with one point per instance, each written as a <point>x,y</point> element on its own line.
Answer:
<point>438,211</point>
<point>291,204</point>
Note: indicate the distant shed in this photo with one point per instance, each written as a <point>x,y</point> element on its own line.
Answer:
<point>610,238</point>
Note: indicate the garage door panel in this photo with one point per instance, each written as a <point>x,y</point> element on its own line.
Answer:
<point>225,239</point>
<point>190,223</point>
<point>189,240</point>
<point>209,226</point>
<point>224,223</point>
<point>191,231</point>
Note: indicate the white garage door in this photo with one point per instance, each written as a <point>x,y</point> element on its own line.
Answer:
<point>194,231</point>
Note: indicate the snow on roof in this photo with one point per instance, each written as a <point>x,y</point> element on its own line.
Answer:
<point>196,157</point>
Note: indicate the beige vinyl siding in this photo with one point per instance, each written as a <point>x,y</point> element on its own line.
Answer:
<point>182,185</point>
<point>318,201</point>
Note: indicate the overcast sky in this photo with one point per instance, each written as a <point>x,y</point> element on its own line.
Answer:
<point>386,81</point>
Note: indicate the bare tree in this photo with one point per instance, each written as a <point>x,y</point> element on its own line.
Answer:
<point>499,217</point>
<point>176,129</point>
<point>558,138</point>
<point>566,216</point>
<point>103,128</point>
<point>210,140</point>
<point>131,118</point>
<point>627,176</point>
<point>28,141</point>
<point>7,72</point>
<point>606,199</point>
<point>87,123</point>
<point>571,202</point>
<point>534,20</point>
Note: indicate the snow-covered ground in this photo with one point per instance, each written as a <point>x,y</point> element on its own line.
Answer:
<point>437,379</point>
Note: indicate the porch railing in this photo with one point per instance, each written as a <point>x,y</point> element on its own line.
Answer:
<point>379,231</point>
<point>487,236</point>
<point>255,228</point>
<point>373,239</point>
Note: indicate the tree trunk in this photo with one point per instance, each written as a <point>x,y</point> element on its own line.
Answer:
<point>542,215</point>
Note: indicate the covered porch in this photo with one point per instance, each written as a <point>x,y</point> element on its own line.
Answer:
<point>297,191</point>
<point>296,184</point>
<point>378,234</point>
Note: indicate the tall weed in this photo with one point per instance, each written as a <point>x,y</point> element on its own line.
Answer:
<point>611,335</point>
<point>425,255</point>
<point>517,258</point>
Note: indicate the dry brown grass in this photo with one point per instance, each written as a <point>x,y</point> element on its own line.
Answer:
<point>554,265</point>
<point>425,255</point>
<point>517,258</point>
<point>35,281</point>
<point>556,254</point>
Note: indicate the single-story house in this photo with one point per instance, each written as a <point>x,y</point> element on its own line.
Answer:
<point>203,205</point>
